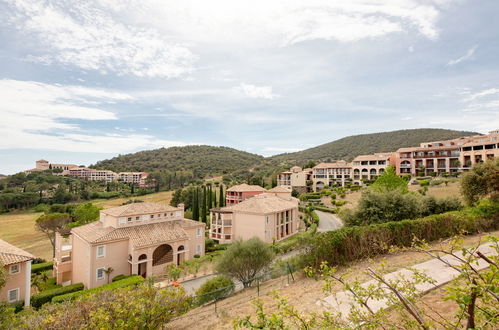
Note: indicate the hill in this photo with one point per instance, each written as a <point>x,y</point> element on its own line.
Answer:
<point>349,147</point>
<point>201,160</point>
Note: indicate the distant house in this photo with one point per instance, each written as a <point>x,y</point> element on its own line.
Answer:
<point>295,178</point>
<point>138,178</point>
<point>237,194</point>
<point>369,167</point>
<point>138,238</point>
<point>272,215</point>
<point>17,267</point>
<point>330,174</point>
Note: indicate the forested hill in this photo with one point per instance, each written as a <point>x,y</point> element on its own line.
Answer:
<point>349,147</point>
<point>201,160</point>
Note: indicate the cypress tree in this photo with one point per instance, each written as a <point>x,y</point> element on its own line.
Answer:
<point>210,195</point>
<point>214,198</point>
<point>203,205</point>
<point>221,201</point>
<point>195,205</point>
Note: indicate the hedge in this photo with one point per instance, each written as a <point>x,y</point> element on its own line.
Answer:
<point>357,242</point>
<point>37,300</point>
<point>128,281</point>
<point>41,267</point>
<point>325,209</point>
<point>215,288</point>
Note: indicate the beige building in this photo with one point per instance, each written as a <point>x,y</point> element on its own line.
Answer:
<point>138,178</point>
<point>331,174</point>
<point>269,216</point>
<point>479,149</point>
<point>296,178</point>
<point>17,267</point>
<point>369,167</point>
<point>138,238</point>
<point>43,165</point>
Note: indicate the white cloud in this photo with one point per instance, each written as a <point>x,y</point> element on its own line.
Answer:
<point>257,92</point>
<point>86,34</point>
<point>34,116</point>
<point>487,92</point>
<point>465,57</point>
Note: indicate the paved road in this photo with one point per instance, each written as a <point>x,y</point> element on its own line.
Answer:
<point>328,222</point>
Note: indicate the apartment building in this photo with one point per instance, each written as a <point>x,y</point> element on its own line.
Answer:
<point>138,238</point>
<point>369,167</point>
<point>17,266</point>
<point>271,216</point>
<point>102,175</point>
<point>138,178</point>
<point>296,178</point>
<point>479,149</point>
<point>331,174</point>
<point>43,165</point>
<point>241,192</point>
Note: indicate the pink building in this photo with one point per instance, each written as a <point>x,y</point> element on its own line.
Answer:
<point>139,178</point>
<point>269,216</point>
<point>139,238</point>
<point>17,267</point>
<point>241,192</point>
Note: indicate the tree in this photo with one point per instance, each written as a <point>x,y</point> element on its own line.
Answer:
<point>176,198</point>
<point>482,180</point>
<point>244,260</point>
<point>86,213</point>
<point>203,205</point>
<point>221,197</point>
<point>210,196</point>
<point>195,205</point>
<point>389,181</point>
<point>52,223</point>
<point>173,272</point>
<point>108,272</point>
<point>215,288</point>
<point>61,196</point>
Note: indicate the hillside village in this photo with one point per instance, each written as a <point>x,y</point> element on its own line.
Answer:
<point>212,241</point>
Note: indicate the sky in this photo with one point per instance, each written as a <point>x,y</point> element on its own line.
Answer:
<point>82,81</point>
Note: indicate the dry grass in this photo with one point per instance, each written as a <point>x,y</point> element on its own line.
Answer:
<point>18,228</point>
<point>304,293</point>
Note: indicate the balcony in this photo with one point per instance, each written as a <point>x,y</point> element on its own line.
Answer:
<point>405,165</point>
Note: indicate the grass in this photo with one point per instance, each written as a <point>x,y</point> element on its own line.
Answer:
<point>18,227</point>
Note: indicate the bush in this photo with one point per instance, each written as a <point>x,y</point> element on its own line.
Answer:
<point>209,245</point>
<point>41,267</point>
<point>120,277</point>
<point>42,208</point>
<point>325,209</point>
<point>37,300</point>
<point>352,243</point>
<point>215,288</point>
<point>125,282</point>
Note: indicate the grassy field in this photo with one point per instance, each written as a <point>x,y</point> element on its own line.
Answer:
<point>18,227</point>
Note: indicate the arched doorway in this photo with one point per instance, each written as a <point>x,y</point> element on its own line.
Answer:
<point>180,254</point>
<point>142,271</point>
<point>162,255</point>
<point>319,186</point>
<point>373,173</point>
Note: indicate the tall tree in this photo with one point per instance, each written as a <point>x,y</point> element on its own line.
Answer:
<point>221,197</point>
<point>210,195</point>
<point>203,205</point>
<point>195,205</point>
<point>50,224</point>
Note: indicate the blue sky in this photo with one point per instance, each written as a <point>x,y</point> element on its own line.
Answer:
<point>82,81</point>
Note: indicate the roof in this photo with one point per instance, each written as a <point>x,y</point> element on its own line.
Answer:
<point>338,164</point>
<point>140,235</point>
<point>246,187</point>
<point>139,208</point>
<point>378,156</point>
<point>9,254</point>
<point>280,189</point>
<point>263,204</point>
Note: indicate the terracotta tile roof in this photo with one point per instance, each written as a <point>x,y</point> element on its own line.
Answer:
<point>139,236</point>
<point>139,208</point>
<point>263,204</point>
<point>378,156</point>
<point>280,189</point>
<point>246,187</point>
<point>9,254</point>
<point>338,164</point>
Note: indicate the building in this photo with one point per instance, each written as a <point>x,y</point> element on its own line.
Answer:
<point>17,267</point>
<point>479,149</point>
<point>369,167</point>
<point>138,238</point>
<point>82,173</point>
<point>331,174</point>
<point>271,216</point>
<point>241,192</point>
<point>138,178</point>
<point>43,165</point>
<point>295,178</point>
<point>102,175</point>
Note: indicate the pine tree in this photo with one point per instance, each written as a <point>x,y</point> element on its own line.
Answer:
<point>203,205</point>
<point>221,201</point>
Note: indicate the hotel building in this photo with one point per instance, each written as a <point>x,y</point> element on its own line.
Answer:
<point>369,167</point>
<point>331,174</point>
<point>17,267</point>
<point>295,178</point>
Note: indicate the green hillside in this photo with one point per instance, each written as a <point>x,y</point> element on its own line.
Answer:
<point>201,160</point>
<point>349,147</point>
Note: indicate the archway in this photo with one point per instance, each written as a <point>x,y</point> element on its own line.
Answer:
<point>142,271</point>
<point>180,254</point>
<point>373,173</point>
<point>319,186</point>
<point>162,255</point>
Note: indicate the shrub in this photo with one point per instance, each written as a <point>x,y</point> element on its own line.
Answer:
<point>125,282</point>
<point>215,288</point>
<point>196,256</point>
<point>41,267</point>
<point>42,208</point>
<point>209,245</point>
<point>120,277</point>
<point>37,300</point>
<point>325,209</point>
<point>357,242</point>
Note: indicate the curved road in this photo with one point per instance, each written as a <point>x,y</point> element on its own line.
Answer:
<point>328,222</point>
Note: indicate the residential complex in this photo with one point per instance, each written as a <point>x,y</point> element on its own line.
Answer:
<point>17,266</point>
<point>241,192</point>
<point>479,149</point>
<point>90,174</point>
<point>295,178</point>
<point>329,174</point>
<point>369,167</point>
<point>138,238</point>
<point>270,216</point>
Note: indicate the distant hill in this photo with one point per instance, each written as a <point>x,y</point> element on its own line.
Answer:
<point>201,160</point>
<point>349,147</point>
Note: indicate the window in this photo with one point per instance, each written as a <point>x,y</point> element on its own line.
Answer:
<point>137,218</point>
<point>198,248</point>
<point>152,216</point>
<point>159,215</point>
<point>101,251</point>
<point>198,232</point>
<point>177,214</point>
<point>122,221</point>
<point>129,219</point>
<point>165,214</point>
<point>100,274</point>
<point>267,219</point>
<point>14,269</point>
<point>13,295</point>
